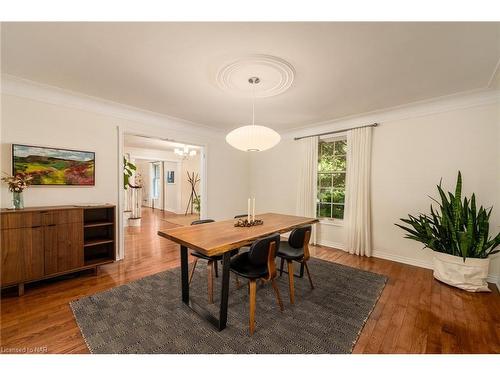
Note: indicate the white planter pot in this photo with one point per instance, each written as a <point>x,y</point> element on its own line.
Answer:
<point>126,216</point>
<point>134,222</point>
<point>469,275</point>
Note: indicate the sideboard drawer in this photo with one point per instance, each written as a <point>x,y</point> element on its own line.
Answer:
<point>13,220</point>
<point>54,217</point>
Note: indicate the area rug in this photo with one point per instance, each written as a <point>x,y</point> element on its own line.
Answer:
<point>182,219</point>
<point>147,316</point>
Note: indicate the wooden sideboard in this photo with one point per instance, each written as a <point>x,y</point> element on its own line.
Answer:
<point>43,242</point>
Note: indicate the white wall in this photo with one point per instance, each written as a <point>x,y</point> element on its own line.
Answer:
<point>410,155</point>
<point>172,192</point>
<point>34,123</point>
<point>40,115</point>
<point>144,168</point>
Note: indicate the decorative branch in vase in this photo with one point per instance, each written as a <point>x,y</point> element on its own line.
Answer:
<point>17,184</point>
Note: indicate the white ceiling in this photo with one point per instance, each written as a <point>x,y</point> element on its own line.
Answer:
<point>153,143</point>
<point>341,69</point>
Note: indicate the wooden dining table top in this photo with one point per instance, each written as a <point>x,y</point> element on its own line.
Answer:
<point>221,236</point>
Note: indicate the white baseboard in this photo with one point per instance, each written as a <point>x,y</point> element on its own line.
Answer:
<point>335,245</point>
<point>402,259</point>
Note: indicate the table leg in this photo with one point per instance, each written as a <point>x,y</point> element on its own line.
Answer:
<point>220,323</point>
<point>224,290</point>
<point>184,275</point>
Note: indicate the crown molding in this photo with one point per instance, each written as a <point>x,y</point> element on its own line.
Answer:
<point>412,110</point>
<point>20,87</point>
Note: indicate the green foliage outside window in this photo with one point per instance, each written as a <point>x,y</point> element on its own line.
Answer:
<point>331,178</point>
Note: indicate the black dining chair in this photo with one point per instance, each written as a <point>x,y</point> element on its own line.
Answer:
<point>212,267</point>
<point>295,249</point>
<point>258,263</point>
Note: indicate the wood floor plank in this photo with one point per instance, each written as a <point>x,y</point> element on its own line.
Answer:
<point>414,314</point>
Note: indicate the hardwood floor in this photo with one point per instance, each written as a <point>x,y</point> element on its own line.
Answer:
<point>415,313</point>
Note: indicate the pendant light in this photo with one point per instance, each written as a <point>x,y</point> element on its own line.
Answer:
<point>253,137</point>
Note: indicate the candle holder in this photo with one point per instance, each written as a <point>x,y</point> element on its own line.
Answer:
<point>246,223</point>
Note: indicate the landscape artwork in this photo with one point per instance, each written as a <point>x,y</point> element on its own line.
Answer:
<point>54,166</point>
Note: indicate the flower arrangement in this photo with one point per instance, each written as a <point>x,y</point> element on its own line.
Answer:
<point>138,182</point>
<point>18,182</point>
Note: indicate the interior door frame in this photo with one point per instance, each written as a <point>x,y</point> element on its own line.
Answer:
<point>121,132</point>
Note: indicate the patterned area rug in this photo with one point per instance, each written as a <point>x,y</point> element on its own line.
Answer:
<point>147,316</point>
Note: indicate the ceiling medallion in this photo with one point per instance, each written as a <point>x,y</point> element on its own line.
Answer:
<point>276,76</point>
<point>253,137</point>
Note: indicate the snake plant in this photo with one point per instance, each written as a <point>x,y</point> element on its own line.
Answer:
<point>457,228</point>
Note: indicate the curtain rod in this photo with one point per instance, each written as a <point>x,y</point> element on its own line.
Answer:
<point>337,131</point>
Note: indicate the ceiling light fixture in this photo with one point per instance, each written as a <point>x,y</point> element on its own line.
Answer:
<point>253,137</point>
<point>184,152</point>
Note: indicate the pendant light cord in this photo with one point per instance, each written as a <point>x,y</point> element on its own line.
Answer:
<point>253,103</point>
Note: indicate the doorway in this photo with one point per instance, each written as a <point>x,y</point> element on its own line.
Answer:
<point>165,187</point>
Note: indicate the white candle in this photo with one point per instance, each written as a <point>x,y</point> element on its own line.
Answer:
<point>248,210</point>
<point>253,210</point>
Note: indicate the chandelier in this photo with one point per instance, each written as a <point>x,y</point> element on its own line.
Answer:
<point>185,152</point>
<point>253,137</point>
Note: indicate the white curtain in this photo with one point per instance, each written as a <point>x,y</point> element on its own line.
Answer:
<point>308,170</point>
<point>358,200</point>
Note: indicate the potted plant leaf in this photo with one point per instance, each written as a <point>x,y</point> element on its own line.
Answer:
<point>128,171</point>
<point>458,233</point>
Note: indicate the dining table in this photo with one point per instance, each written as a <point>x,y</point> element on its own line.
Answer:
<point>220,238</point>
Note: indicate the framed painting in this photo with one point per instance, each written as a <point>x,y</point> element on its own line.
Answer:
<point>170,177</point>
<point>54,166</point>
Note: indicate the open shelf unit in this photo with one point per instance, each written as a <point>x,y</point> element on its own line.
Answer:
<point>99,243</point>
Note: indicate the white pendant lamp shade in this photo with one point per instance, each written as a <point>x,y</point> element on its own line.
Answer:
<point>253,138</point>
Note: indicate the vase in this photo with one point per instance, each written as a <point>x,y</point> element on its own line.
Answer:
<point>469,275</point>
<point>17,200</point>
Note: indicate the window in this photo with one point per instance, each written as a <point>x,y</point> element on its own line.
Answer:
<point>331,178</point>
<point>156,181</point>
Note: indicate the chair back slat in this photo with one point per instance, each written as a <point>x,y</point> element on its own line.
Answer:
<point>259,250</point>
<point>299,239</point>
<point>298,235</point>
